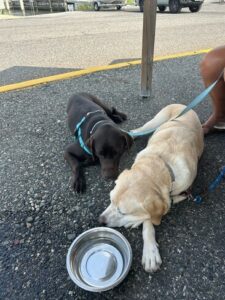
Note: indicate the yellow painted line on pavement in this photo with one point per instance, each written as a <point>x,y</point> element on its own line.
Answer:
<point>63,76</point>
<point>74,74</point>
<point>173,56</point>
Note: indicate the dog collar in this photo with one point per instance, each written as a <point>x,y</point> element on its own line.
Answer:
<point>97,123</point>
<point>172,175</point>
<point>170,171</point>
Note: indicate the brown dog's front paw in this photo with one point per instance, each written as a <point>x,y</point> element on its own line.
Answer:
<point>117,116</point>
<point>122,115</point>
<point>79,184</point>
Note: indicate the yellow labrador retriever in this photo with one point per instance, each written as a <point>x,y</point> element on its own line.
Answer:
<point>160,175</point>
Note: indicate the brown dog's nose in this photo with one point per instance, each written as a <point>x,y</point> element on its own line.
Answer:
<point>110,174</point>
<point>102,220</point>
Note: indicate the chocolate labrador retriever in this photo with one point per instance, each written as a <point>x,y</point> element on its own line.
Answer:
<point>97,138</point>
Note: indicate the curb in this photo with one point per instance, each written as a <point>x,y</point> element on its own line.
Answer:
<point>75,74</point>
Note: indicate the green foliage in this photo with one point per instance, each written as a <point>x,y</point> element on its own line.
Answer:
<point>4,12</point>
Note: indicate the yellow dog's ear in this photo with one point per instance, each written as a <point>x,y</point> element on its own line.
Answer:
<point>156,209</point>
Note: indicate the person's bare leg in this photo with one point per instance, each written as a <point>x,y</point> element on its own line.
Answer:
<point>211,67</point>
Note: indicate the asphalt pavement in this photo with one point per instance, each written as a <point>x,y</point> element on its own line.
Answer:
<point>41,215</point>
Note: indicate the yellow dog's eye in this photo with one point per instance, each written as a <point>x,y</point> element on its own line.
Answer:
<point>120,212</point>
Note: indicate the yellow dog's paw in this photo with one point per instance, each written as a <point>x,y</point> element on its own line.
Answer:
<point>151,259</point>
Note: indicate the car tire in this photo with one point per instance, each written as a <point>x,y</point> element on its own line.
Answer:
<point>175,6</point>
<point>194,9</point>
<point>96,6</point>
<point>118,7</point>
<point>161,8</point>
<point>141,5</point>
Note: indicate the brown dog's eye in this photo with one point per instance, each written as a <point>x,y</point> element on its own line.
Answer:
<point>120,212</point>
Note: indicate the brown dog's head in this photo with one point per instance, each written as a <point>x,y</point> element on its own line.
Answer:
<point>108,144</point>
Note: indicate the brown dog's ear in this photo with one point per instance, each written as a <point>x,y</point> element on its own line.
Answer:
<point>128,141</point>
<point>91,145</point>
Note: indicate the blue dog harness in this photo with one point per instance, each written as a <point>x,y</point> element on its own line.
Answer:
<point>78,133</point>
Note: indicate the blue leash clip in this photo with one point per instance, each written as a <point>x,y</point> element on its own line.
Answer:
<point>198,199</point>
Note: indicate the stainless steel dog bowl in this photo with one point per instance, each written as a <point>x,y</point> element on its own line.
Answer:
<point>99,259</point>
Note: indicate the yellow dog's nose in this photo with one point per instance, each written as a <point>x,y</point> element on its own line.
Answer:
<point>102,220</point>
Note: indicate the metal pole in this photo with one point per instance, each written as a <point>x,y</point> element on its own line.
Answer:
<point>22,7</point>
<point>148,41</point>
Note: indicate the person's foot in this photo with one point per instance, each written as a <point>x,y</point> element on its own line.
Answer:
<point>213,123</point>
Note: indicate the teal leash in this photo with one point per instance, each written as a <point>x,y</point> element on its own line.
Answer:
<point>198,198</point>
<point>194,103</point>
<point>190,106</point>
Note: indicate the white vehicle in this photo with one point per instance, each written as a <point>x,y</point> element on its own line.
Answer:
<point>109,3</point>
<point>175,6</point>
